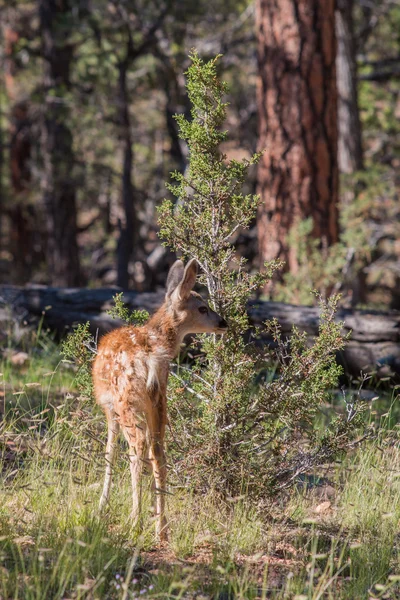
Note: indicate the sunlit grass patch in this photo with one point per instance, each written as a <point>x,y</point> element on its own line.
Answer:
<point>370,509</point>
<point>34,376</point>
<point>201,522</point>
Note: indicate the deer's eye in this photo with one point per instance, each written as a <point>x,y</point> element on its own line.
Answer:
<point>203,310</point>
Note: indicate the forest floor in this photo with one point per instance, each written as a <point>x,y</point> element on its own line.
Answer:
<point>336,535</point>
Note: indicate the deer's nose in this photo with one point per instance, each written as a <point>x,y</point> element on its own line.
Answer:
<point>223,324</point>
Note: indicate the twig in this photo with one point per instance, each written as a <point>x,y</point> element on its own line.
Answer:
<point>189,389</point>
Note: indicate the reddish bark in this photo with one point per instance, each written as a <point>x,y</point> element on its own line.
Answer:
<point>297,109</point>
<point>11,37</point>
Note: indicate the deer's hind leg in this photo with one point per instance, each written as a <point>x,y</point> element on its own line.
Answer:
<point>157,422</point>
<point>136,435</point>
<point>112,434</point>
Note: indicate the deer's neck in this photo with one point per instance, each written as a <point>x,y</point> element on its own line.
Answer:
<point>167,331</point>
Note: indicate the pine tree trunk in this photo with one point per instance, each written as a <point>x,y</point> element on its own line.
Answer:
<point>128,227</point>
<point>2,199</point>
<point>350,154</point>
<point>57,146</point>
<point>349,144</point>
<point>297,110</point>
<point>19,153</point>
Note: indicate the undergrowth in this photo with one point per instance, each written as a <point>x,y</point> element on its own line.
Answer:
<point>53,544</point>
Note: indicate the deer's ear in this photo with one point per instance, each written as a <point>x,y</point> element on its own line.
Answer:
<point>175,277</point>
<point>188,280</point>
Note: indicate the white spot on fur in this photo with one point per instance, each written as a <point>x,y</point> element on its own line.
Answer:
<point>124,359</point>
<point>126,365</point>
<point>123,381</point>
<point>106,399</point>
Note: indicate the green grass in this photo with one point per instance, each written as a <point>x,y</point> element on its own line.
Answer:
<point>54,543</point>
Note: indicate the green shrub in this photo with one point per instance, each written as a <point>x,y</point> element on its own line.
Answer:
<point>234,433</point>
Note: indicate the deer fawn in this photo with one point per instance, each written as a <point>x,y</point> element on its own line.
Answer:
<point>130,375</point>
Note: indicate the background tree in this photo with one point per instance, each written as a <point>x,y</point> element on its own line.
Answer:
<point>16,25</point>
<point>59,185</point>
<point>350,154</point>
<point>297,111</point>
<point>127,52</point>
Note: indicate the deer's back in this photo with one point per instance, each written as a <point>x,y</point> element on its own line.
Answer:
<point>130,367</point>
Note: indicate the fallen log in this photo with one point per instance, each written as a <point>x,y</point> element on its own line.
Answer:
<point>374,346</point>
